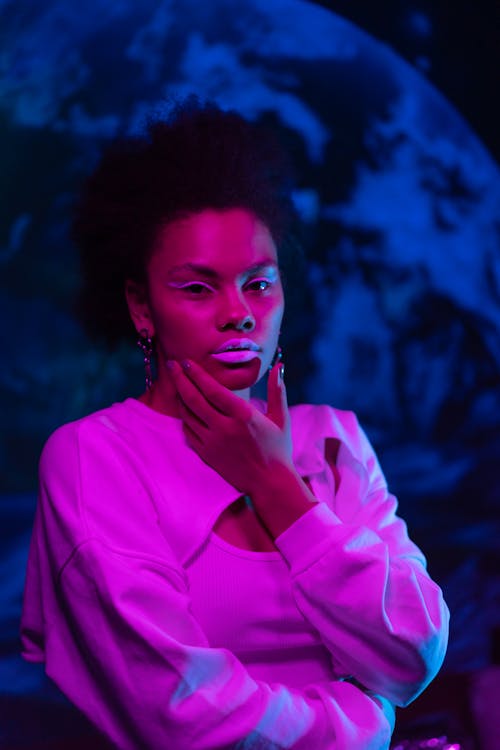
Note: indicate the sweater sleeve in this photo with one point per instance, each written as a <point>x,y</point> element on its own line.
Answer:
<point>363,584</point>
<point>120,640</point>
<point>137,663</point>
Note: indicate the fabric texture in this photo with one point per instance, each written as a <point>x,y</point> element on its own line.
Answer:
<point>127,593</point>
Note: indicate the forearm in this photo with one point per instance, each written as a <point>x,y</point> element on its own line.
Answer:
<point>182,693</point>
<point>376,608</point>
<point>280,497</point>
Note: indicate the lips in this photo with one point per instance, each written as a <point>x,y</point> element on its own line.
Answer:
<point>238,345</point>
<point>237,350</point>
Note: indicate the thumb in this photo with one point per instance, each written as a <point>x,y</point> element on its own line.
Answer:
<point>277,405</point>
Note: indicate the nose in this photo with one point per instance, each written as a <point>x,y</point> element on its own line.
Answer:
<point>235,313</point>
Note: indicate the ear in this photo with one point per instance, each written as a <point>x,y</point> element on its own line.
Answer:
<point>138,306</point>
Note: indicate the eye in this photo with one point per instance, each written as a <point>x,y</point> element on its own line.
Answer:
<point>195,288</point>
<point>258,285</point>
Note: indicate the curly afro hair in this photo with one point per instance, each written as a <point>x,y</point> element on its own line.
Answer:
<point>198,157</point>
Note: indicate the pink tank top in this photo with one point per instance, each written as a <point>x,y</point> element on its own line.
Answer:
<point>243,601</point>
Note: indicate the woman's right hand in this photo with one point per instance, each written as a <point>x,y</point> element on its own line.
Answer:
<point>230,434</point>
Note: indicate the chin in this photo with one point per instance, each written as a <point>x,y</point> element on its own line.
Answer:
<point>238,377</point>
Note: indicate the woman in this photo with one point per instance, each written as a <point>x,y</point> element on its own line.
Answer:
<point>208,570</point>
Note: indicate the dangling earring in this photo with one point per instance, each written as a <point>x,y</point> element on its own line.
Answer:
<point>278,356</point>
<point>145,343</point>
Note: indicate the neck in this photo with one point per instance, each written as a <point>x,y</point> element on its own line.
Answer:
<point>162,397</point>
<point>157,400</point>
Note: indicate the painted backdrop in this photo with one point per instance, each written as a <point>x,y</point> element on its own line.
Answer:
<point>395,313</point>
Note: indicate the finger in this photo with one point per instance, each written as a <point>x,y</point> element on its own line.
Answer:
<point>191,396</point>
<point>192,438</point>
<point>216,394</point>
<point>189,417</point>
<point>277,404</point>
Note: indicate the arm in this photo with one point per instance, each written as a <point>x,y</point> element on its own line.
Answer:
<point>363,584</point>
<point>142,670</point>
<point>358,579</point>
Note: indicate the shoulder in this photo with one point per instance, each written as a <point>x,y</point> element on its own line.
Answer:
<point>312,424</point>
<point>323,420</point>
<point>99,481</point>
<point>115,423</point>
<point>60,498</point>
<point>63,460</point>
<point>64,442</point>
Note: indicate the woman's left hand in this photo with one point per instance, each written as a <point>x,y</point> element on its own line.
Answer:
<point>229,433</point>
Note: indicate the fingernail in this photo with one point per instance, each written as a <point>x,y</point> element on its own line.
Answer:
<point>185,364</point>
<point>281,372</point>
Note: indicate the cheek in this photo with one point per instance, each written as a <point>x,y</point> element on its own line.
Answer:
<point>172,328</point>
<point>274,317</point>
<point>170,317</point>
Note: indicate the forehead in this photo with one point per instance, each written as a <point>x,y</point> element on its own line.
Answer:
<point>225,240</point>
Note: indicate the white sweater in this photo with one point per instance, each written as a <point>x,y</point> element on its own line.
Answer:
<point>166,636</point>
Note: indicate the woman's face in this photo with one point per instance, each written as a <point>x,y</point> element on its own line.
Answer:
<point>214,295</point>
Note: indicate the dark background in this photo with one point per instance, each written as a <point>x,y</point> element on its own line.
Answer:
<point>456,44</point>
<point>436,424</point>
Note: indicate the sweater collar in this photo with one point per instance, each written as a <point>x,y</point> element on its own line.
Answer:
<point>201,494</point>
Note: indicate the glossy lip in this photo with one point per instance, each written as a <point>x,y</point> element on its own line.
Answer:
<point>235,355</point>
<point>238,345</point>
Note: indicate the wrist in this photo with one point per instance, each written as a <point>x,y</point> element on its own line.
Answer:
<point>281,497</point>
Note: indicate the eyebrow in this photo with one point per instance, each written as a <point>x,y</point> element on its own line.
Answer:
<point>211,273</point>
